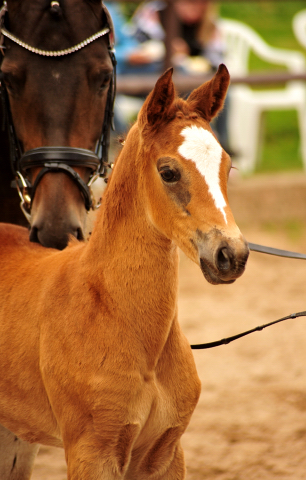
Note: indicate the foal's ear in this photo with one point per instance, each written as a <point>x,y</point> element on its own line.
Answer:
<point>209,98</point>
<point>159,101</point>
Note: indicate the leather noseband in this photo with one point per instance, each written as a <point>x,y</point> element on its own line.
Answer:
<point>61,159</point>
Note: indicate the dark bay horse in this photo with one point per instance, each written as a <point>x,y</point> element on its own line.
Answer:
<point>10,210</point>
<point>57,91</point>
<point>97,362</point>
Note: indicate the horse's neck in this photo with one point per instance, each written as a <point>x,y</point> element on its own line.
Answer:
<point>137,265</point>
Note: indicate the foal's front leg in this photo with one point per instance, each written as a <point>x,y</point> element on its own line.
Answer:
<point>91,463</point>
<point>93,456</point>
<point>162,462</point>
<point>176,470</point>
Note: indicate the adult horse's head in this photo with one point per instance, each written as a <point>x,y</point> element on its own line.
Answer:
<point>186,174</point>
<point>58,73</point>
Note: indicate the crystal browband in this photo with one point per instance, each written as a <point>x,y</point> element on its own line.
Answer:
<point>55,53</point>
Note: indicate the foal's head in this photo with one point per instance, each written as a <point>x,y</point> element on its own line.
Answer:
<point>186,176</point>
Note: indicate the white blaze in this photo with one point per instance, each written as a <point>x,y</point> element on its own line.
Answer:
<point>202,148</point>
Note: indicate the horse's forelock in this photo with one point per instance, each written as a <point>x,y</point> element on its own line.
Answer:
<point>96,7</point>
<point>94,2</point>
<point>18,9</point>
<point>14,9</point>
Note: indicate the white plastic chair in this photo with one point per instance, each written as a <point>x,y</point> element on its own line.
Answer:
<point>299,27</point>
<point>247,105</point>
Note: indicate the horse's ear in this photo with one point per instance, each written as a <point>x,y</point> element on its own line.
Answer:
<point>158,101</point>
<point>209,98</point>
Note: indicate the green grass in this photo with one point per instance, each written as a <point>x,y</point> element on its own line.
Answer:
<point>280,147</point>
<point>273,21</point>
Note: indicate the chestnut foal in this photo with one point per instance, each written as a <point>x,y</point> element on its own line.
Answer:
<point>92,355</point>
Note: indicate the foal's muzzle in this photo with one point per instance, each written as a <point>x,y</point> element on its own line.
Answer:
<point>222,259</point>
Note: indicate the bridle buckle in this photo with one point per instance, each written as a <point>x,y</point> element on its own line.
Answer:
<point>94,203</point>
<point>24,195</point>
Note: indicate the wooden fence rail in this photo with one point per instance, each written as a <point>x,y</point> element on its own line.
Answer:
<point>141,85</point>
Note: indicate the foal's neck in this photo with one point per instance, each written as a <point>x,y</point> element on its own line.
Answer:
<point>133,265</point>
<point>131,254</point>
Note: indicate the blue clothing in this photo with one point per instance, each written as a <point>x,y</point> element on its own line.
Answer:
<point>125,44</point>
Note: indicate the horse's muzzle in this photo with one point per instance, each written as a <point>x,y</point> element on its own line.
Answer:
<point>52,238</point>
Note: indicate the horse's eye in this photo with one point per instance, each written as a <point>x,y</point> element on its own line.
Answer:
<point>14,81</point>
<point>105,82</point>
<point>169,175</point>
<point>7,79</point>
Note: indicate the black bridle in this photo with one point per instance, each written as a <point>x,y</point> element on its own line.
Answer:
<point>58,159</point>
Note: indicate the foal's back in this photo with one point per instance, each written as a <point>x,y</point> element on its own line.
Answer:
<point>17,252</point>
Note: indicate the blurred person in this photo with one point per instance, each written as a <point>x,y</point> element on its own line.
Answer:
<point>198,47</point>
<point>198,35</point>
<point>133,57</point>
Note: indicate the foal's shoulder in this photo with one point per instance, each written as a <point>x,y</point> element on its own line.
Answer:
<point>12,233</point>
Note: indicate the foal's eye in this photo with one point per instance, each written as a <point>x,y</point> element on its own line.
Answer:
<point>169,175</point>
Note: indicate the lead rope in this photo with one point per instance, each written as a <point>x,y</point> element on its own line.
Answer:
<point>270,251</point>
<point>225,341</point>
<point>276,251</point>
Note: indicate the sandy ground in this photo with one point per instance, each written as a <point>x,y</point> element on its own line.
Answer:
<point>250,422</point>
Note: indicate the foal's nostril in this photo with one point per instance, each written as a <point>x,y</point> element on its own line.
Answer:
<point>224,259</point>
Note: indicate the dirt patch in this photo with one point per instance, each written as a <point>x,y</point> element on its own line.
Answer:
<point>250,422</point>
